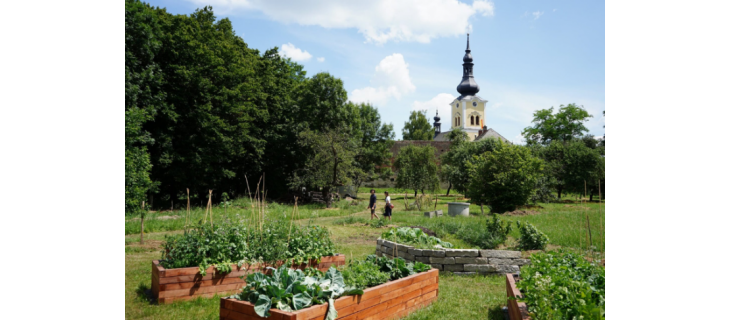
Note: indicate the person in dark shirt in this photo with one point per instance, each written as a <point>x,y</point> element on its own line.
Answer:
<point>372,204</point>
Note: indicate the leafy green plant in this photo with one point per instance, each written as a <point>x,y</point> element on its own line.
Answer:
<point>364,274</point>
<point>414,237</point>
<point>226,243</point>
<point>290,290</point>
<point>377,223</point>
<point>489,237</point>
<point>530,237</point>
<point>563,285</point>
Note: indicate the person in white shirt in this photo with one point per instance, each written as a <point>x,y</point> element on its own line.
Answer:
<point>388,209</point>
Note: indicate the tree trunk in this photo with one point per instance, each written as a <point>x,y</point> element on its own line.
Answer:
<point>326,194</point>
<point>591,196</point>
<point>560,191</point>
<point>416,194</point>
<point>449,189</point>
<point>481,206</point>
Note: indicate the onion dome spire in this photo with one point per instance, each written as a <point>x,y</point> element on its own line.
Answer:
<point>468,86</point>
<point>436,124</point>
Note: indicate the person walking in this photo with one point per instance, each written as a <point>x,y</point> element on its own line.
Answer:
<point>388,207</point>
<point>371,206</point>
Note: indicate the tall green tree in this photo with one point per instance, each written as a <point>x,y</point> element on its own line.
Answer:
<point>210,139</point>
<point>417,127</point>
<point>416,169</point>
<point>330,160</point>
<point>142,99</point>
<point>454,162</point>
<point>323,105</point>
<point>571,166</point>
<point>504,178</point>
<point>566,124</point>
<point>373,154</point>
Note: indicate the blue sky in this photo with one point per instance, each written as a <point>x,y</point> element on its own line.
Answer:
<point>406,55</point>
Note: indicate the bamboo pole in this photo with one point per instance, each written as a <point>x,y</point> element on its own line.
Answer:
<point>141,233</point>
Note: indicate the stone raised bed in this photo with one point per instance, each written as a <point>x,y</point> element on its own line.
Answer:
<point>515,309</point>
<point>391,300</point>
<point>458,261</point>
<point>187,283</point>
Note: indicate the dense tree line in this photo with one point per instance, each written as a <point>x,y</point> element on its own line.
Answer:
<point>204,111</point>
<point>558,158</point>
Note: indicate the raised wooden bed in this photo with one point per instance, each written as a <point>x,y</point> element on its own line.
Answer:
<point>390,300</point>
<point>516,310</point>
<point>187,283</point>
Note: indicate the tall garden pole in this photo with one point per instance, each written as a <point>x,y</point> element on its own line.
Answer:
<point>141,233</point>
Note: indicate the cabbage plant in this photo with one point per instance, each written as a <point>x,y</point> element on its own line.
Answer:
<point>290,290</point>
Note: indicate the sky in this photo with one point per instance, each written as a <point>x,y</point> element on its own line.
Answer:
<point>406,55</point>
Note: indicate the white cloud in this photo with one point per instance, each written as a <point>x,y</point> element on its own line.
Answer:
<point>519,139</point>
<point>391,80</point>
<point>486,8</point>
<point>441,103</point>
<point>379,21</point>
<point>537,14</point>
<point>296,54</point>
<point>320,59</point>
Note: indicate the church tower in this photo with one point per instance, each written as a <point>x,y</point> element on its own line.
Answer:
<point>467,111</point>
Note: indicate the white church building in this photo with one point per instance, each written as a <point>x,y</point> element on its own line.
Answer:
<point>467,111</point>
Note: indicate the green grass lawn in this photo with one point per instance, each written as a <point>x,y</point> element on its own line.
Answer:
<point>459,297</point>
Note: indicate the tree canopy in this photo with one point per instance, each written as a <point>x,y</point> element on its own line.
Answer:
<point>454,162</point>
<point>564,125</point>
<point>504,178</point>
<point>416,168</point>
<point>417,127</point>
<point>203,110</point>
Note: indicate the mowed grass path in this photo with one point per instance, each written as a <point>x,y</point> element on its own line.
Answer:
<point>459,297</point>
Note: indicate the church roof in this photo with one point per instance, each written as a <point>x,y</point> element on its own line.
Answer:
<point>491,133</point>
<point>441,136</point>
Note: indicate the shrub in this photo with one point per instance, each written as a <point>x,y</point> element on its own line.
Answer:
<point>414,237</point>
<point>530,237</point>
<point>563,285</point>
<point>492,235</point>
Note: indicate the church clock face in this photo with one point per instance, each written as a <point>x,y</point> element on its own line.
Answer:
<point>474,103</point>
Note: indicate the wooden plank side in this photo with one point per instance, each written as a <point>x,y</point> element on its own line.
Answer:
<point>369,298</point>
<point>246,308</point>
<point>202,283</point>
<point>195,291</point>
<point>347,307</point>
<point>193,278</point>
<point>515,309</point>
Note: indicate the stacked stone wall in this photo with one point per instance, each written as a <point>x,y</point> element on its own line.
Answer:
<point>458,261</point>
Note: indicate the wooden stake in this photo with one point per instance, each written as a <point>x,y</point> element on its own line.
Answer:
<point>210,205</point>
<point>141,233</point>
<point>187,216</point>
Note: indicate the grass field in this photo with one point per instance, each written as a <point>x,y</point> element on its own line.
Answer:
<point>459,297</point>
